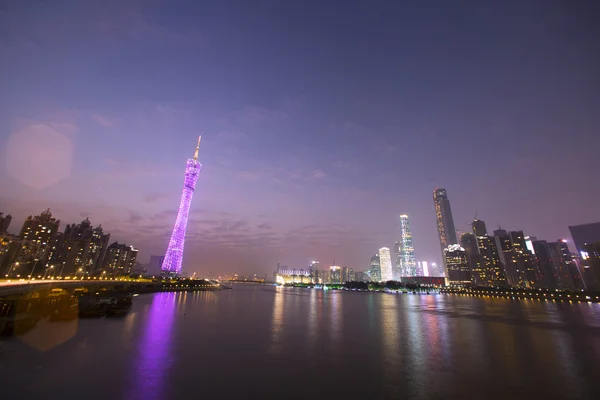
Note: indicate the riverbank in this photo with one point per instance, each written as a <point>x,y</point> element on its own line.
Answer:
<point>527,294</point>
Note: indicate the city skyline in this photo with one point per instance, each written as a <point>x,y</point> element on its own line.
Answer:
<point>295,157</point>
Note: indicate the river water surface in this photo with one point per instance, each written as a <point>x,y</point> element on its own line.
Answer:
<point>259,341</point>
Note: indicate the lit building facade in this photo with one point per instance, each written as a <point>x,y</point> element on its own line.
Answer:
<point>375,269</point>
<point>174,255</point>
<point>36,237</point>
<point>335,274</point>
<point>468,241</point>
<point>385,260</point>
<point>586,238</point>
<point>408,265</point>
<point>590,262</point>
<point>79,251</point>
<point>119,260</point>
<point>458,272</point>
<point>575,278</point>
<point>284,274</point>
<point>444,220</point>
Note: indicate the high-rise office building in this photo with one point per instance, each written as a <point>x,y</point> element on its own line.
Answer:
<point>314,271</point>
<point>347,274</point>
<point>575,278</point>
<point>425,268</point>
<point>436,270</point>
<point>585,234</point>
<point>174,255</point>
<point>385,260</point>
<point>479,228</point>
<point>586,237</point>
<point>468,241</point>
<point>335,274</point>
<point>4,222</point>
<point>406,250</point>
<point>443,214</point>
<point>495,275</point>
<point>590,262</point>
<point>457,266</point>
<point>445,223</point>
<point>375,268</point>
<point>397,260</point>
<point>486,263</point>
<point>548,270</point>
<point>520,266</point>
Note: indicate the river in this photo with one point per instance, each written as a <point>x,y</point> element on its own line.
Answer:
<point>259,341</point>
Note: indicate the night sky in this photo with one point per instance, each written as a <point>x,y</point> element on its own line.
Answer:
<point>322,121</point>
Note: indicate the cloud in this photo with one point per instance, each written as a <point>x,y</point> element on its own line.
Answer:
<point>264,226</point>
<point>134,217</point>
<point>154,197</point>
<point>103,120</point>
<point>318,174</point>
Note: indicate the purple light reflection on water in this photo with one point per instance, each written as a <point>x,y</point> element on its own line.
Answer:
<point>150,368</point>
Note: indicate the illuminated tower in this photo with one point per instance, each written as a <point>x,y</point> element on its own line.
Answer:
<point>406,252</point>
<point>174,254</point>
<point>385,260</point>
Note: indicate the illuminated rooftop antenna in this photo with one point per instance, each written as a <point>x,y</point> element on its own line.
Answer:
<point>197,148</point>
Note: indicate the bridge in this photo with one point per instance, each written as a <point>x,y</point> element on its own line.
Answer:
<point>16,287</point>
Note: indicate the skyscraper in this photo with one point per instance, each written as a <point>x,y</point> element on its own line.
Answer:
<point>585,234</point>
<point>408,266</point>
<point>587,242</point>
<point>457,267</point>
<point>445,223</point>
<point>375,269</point>
<point>468,241</point>
<point>484,259</point>
<point>575,280</point>
<point>36,236</point>
<point>79,250</point>
<point>385,260</point>
<point>174,254</point>
<point>119,259</point>
<point>545,261</point>
<point>479,228</point>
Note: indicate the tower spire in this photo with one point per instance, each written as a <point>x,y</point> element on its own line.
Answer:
<point>197,148</point>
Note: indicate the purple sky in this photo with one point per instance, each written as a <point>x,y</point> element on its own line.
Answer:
<point>322,121</point>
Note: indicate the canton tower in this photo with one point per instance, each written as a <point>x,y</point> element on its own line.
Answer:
<point>174,255</point>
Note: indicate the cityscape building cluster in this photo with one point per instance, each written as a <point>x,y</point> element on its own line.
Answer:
<point>504,259</point>
<point>512,259</point>
<point>80,251</point>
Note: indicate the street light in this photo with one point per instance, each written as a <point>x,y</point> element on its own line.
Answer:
<point>46,273</point>
<point>15,265</point>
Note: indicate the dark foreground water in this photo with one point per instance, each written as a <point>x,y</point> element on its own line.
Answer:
<point>267,342</point>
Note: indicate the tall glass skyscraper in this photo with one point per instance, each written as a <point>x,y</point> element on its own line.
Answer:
<point>174,254</point>
<point>375,269</point>
<point>406,252</point>
<point>385,259</point>
<point>445,223</point>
